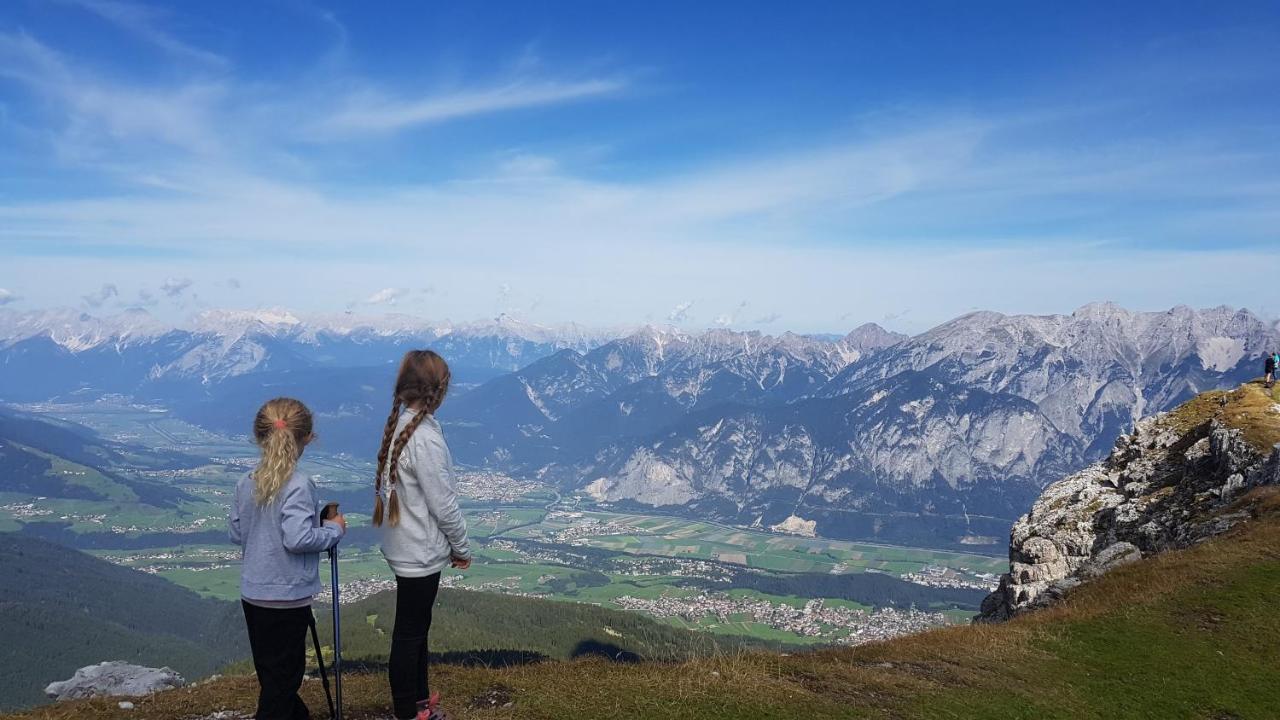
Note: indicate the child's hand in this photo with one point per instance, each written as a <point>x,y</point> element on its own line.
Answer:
<point>341,520</point>
<point>460,563</point>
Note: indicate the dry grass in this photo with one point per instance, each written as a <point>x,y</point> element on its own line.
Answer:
<point>1249,408</point>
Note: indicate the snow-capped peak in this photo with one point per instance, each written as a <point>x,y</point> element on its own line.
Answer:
<point>78,331</point>
<point>237,322</point>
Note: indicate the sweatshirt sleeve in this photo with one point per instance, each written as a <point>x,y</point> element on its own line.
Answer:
<point>302,534</point>
<point>440,490</point>
<point>233,518</point>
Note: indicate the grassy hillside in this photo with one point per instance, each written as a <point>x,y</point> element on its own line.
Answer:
<point>1188,634</point>
<point>62,460</point>
<point>62,609</point>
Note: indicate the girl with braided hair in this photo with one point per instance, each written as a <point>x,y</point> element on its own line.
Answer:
<point>275,517</point>
<point>416,505</point>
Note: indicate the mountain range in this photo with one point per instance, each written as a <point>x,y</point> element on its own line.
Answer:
<point>938,438</point>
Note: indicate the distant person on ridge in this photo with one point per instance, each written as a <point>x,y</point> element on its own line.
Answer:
<point>424,530</point>
<point>1269,377</point>
<point>275,517</point>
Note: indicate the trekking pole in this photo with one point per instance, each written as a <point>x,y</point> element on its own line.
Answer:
<point>337,632</point>
<point>335,705</point>
<point>324,677</point>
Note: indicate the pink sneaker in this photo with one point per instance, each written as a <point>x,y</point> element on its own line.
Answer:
<point>430,709</point>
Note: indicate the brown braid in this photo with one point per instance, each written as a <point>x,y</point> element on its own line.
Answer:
<point>422,383</point>
<point>393,476</point>
<point>382,460</point>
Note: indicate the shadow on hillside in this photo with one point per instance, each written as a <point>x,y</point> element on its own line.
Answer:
<point>607,651</point>
<point>504,658</point>
<point>462,658</point>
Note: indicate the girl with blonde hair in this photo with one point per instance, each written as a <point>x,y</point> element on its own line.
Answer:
<point>276,519</point>
<point>423,531</point>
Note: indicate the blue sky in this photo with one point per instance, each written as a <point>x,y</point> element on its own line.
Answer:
<point>758,165</point>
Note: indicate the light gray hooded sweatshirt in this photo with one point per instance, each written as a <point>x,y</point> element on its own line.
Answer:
<point>431,527</point>
<point>282,540</point>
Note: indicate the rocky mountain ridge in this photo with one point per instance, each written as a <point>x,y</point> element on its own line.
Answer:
<point>220,344</point>
<point>970,419</point>
<point>1174,481</point>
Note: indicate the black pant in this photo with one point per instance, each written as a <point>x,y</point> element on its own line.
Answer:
<point>278,640</point>
<point>408,667</point>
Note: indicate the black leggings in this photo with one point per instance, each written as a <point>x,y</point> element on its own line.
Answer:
<point>277,638</point>
<point>408,667</point>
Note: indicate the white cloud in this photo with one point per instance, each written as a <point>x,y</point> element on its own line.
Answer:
<point>769,319</point>
<point>101,117</point>
<point>729,318</point>
<point>386,296</point>
<point>97,299</point>
<point>680,313</point>
<point>373,111</point>
<point>8,296</point>
<point>174,287</point>
<point>146,23</point>
<point>525,164</point>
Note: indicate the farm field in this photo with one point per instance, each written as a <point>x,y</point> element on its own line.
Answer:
<point>677,538</point>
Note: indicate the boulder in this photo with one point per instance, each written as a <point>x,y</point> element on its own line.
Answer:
<point>114,678</point>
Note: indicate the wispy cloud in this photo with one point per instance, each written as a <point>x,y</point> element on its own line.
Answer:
<point>146,299</point>
<point>729,318</point>
<point>148,24</point>
<point>174,287</point>
<point>8,296</point>
<point>372,111</point>
<point>97,299</point>
<point>680,313</point>
<point>106,122</point>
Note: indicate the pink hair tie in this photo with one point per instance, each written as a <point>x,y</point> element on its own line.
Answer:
<point>280,424</point>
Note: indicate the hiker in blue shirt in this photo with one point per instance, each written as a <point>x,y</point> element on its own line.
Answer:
<point>275,517</point>
<point>1269,377</point>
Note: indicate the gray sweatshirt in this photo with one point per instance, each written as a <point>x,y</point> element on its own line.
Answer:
<point>282,540</point>
<point>431,526</point>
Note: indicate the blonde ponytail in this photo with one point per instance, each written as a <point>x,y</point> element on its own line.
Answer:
<point>282,428</point>
<point>279,459</point>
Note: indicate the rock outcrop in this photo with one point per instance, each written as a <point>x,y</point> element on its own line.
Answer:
<point>114,678</point>
<point>1171,483</point>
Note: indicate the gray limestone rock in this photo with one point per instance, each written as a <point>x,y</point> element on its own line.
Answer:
<point>112,679</point>
<point>1161,488</point>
